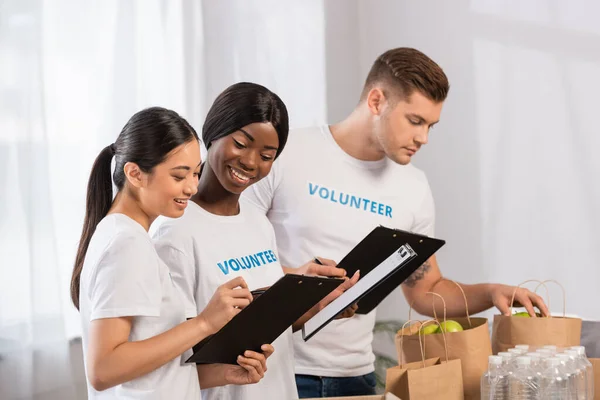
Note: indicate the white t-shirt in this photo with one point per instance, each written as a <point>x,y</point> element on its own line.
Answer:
<point>123,276</point>
<point>205,250</point>
<point>323,202</point>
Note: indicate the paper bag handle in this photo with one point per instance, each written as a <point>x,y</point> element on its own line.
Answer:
<point>435,317</point>
<point>402,340</point>
<point>563,292</point>
<point>422,345</point>
<point>432,306</point>
<point>521,284</point>
<point>464,297</point>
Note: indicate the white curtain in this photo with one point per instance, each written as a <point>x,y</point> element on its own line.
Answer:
<point>73,72</point>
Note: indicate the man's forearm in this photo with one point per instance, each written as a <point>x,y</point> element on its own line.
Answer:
<point>478,297</point>
<point>428,278</point>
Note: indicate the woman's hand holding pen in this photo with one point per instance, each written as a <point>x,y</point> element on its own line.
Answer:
<point>228,300</point>
<point>320,266</point>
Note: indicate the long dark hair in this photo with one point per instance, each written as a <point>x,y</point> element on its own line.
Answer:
<point>243,104</point>
<point>146,140</point>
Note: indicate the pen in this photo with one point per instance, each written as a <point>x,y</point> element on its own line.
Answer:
<point>317,261</point>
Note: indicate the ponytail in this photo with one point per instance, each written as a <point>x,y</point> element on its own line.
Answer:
<point>146,140</point>
<point>98,202</point>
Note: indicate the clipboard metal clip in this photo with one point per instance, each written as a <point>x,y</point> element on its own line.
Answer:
<point>406,251</point>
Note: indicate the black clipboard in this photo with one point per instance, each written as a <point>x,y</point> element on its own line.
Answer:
<point>270,313</point>
<point>403,252</point>
<point>374,248</point>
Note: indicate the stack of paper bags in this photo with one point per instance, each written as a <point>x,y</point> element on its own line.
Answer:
<point>428,378</point>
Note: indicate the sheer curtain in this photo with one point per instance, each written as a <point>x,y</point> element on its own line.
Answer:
<point>71,75</point>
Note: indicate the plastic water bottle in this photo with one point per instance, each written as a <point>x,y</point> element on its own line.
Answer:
<point>580,374</point>
<point>517,352</point>
<point>545,353</point>
<point>537,366</point>
<point>525,347</point>
<point>494,382</point>
<point>555,350</point>
<point>508,361</point>
<point>568,366</point>
<point>523,384</point>
<point>554,384</point>
<point>589,371</point>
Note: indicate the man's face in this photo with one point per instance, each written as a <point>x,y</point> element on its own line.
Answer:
<point>404,127</point>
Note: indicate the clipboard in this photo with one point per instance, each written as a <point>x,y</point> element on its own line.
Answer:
<point>374,248</point>
<point>385,257</point>
<point>271,313</point>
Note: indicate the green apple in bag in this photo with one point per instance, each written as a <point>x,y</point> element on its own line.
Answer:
<point>429,329</point>
<point>521,314</point>
<point>451,326</point>
<point>525,314</point>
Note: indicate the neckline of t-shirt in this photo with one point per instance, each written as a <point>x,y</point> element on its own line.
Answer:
<point>221,218</point>
<point>347,157</point>
<point>128,220</point>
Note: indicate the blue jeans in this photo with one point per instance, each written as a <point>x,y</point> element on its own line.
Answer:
<point>320,386</point>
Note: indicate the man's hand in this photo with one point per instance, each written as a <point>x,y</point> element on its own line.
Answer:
<point>348,312</point>
<point>251,369</point>
<point>501,295</point>
<point>325,268</point>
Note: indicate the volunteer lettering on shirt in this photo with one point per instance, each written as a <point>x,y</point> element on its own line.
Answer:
<point>247,262</point>
<point>349,200</point>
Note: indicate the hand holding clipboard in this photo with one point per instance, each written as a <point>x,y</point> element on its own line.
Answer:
<point>387,257</point>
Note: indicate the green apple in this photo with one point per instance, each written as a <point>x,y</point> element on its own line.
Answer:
<point>451,326</point>
<point>429,329</point>
<point>525,314</point>
<point>521,314</point>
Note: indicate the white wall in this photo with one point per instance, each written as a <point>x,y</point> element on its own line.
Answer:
<point>257,41</point>
<point>344,76</point>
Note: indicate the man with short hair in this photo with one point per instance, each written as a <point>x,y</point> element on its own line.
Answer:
<point>334,184</point>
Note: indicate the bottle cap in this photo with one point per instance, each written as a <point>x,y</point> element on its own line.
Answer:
<point>495,360</point>
<point>523,360</point>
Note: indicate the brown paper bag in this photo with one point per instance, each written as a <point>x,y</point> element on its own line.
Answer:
<point>426,379</point>
<point>387,396</point>
<point>437,380</point>
<point>596,364</point>
<point>507,332</point>
<point>471,346</point>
